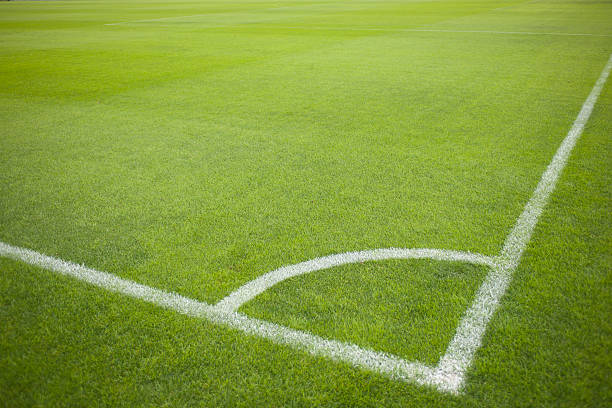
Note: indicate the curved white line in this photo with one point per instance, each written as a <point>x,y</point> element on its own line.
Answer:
<point>255,287</point>
<point>383,363</point>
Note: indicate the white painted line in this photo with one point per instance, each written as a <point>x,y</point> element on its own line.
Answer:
<point>228,13</point>
<point>449,375</point>
<point>426,30</point>
<point>253,288</point>
<point>383,363</point>
<point>460,353</point>
<point>156,19</point>
<point>104,280</point>
<point>382,29</point>
<point>521,233</point>
<point>513,32</point>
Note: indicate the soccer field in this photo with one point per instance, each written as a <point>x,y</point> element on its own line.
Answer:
<point>306,203</point>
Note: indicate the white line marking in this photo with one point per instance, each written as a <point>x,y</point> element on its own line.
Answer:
<point>426,30</point>
<point>382,29</point>
<point>383,363</point>
<point>253,288</point>
<point>460,353</point>
<point>234,12</point>
<point>157,19</point>
<point>449,375</point>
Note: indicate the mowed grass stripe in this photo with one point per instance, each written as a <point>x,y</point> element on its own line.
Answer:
<point>449,374</point>
<point>318,208</point>
<point>67,343</point>
<point>269,146</point>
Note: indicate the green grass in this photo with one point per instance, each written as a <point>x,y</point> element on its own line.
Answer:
<point>194,154</point>
<point>375,305</point>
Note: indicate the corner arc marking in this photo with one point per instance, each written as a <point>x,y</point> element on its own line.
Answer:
<point>251,289</point>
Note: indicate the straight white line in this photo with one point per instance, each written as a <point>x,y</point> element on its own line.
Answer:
<point>514,32</point>
<point>257,286</point>
<point>227,13</point>
<point>105,280</point>
<point>468,338</point>
<point>157,19</point>
<point>520,235</point>
<point>426,30</point>
<point>383,363</point>
<point>382,29</point>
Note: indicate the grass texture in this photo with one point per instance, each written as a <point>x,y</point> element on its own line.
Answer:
<point>194,145</point>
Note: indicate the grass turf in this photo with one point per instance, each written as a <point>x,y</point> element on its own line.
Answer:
<point>195,153</point>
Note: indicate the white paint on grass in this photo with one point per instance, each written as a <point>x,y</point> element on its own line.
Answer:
<point>253,288</point>
<point>449,374</point>
<point>383,363</point>
<point>427,30</point>
<point>381,29</point>
<point>153,20</point>
<point>250,12</point>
